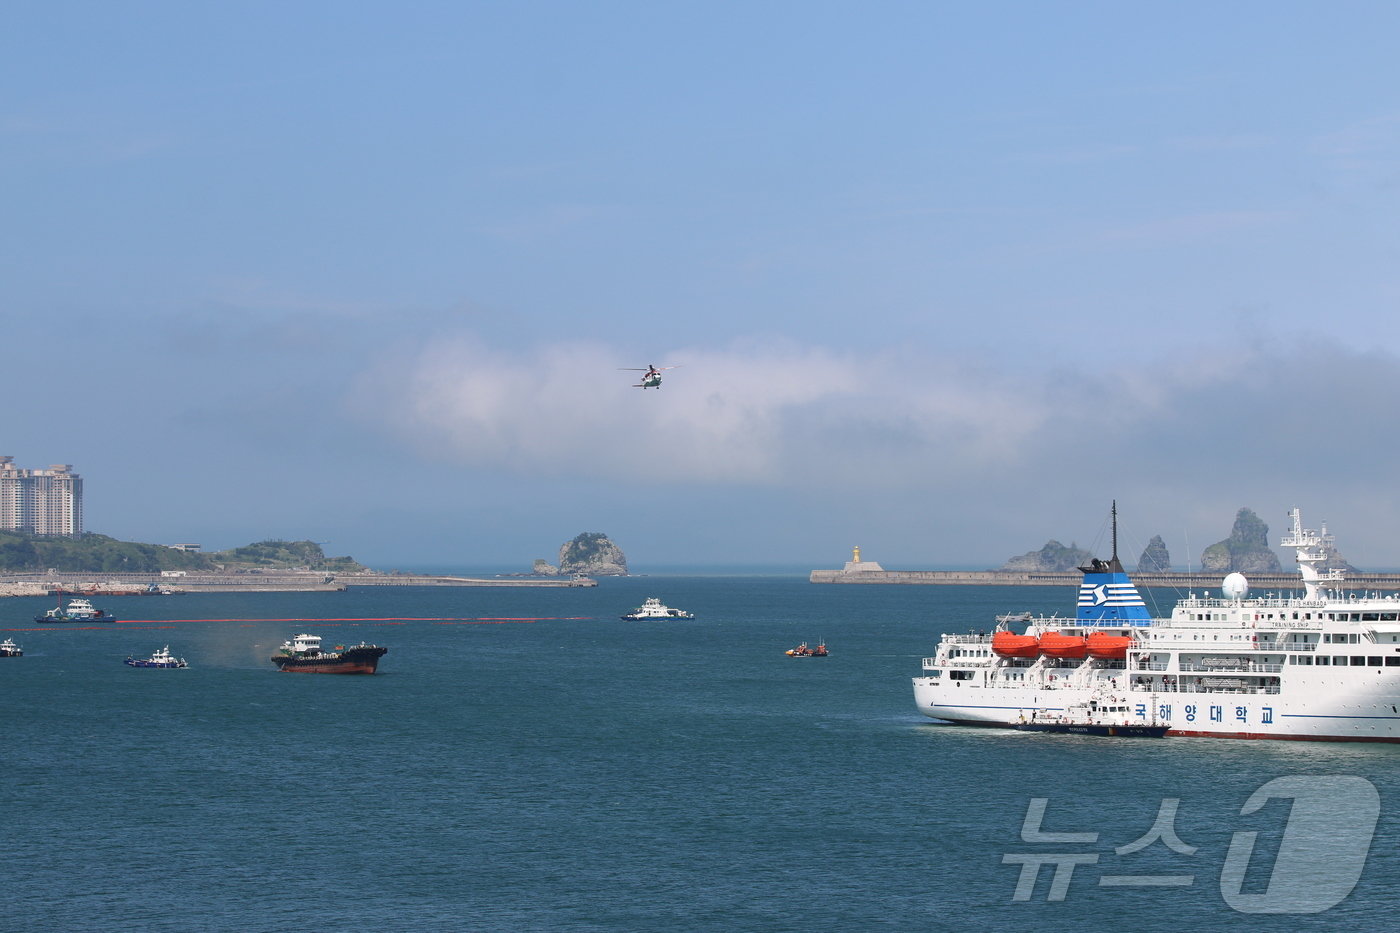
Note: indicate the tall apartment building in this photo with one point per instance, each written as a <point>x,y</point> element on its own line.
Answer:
<point>41,502</point>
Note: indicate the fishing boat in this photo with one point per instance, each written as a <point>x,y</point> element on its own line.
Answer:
<point>8,649</point>
<point>805,650</point>
<point>1318,664</point>
<point>159,658</point>
<point>653,608</point>
<point>77,610</point>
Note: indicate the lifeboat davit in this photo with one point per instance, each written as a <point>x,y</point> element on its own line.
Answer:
<point>1109,647</point>
<point>1058,645</point>
<point>1011,645</point>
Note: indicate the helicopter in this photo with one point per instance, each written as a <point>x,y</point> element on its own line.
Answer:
<point>651,378</point>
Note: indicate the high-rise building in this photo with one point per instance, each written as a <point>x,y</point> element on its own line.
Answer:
<point>41,502</point>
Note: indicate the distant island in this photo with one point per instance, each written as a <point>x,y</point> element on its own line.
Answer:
<point>591,553</point>
<point>1246,550</point>
<point>95,553</point>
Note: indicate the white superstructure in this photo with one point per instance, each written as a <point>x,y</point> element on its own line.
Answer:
<point>653,608</point>
<point>1324,665</point>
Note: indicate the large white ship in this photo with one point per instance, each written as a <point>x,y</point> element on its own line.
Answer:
<point>1323,665</point>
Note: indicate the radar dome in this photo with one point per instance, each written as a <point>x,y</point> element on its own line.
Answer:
<point>1234,586</point>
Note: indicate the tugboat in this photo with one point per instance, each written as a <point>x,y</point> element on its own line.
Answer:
<point>8,649</point>
<point>653,609</point>
<point>806,651</point>
<point>1110,717</point>
<point>303,654</point>
<point>159,658</point>
<point>77,610</point>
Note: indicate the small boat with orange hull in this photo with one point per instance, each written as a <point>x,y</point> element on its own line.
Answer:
<point>1060,645</point>
<point>303,655</point>
<point>805,650</point>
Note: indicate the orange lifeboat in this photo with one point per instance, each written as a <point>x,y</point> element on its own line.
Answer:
<point>1011,645</point>
<point>1111,647</point>
<point>1058,645</point>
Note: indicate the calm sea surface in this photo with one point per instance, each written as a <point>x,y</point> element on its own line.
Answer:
<point>526,761</point>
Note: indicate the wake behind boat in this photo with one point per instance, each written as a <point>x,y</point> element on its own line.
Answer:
<point>653,608</point>
<point>1321,666</point>
<point>77,610</point>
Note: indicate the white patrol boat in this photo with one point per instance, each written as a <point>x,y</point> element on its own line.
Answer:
<point>1323,665</point>
<point>159,658</point>
<point>653,609</point>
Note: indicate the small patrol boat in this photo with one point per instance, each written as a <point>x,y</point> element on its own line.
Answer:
<point>653,608</point>
<point>1111,717</point>
<point>161,658</point>
<point>77,610</point>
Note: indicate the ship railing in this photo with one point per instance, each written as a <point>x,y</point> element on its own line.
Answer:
<point>1148,666</point>
<point>1258,602</point>
<point>933,664</point>
<point>1199,688</point>
<point>973,639</point>
<point>1242,667</point>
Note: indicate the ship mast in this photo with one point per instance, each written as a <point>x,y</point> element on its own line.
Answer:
<point>1311,549</point>
<point>1117,567</point>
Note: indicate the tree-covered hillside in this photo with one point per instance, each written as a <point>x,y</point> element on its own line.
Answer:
<point>94,553</point>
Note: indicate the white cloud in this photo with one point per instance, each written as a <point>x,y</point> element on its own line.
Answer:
<point>926,443</point>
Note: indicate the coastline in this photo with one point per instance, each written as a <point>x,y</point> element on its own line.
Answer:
<point>288,581</point>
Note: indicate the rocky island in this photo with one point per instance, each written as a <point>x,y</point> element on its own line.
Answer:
<point>1246,550</point>
<point>592,553</point>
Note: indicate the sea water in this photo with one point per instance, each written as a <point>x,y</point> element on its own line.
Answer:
<point>524,760</point>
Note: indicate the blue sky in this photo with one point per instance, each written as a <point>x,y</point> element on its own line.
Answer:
<point>942,279</point>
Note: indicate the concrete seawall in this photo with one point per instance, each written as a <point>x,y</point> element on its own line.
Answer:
<point>1258,583</point>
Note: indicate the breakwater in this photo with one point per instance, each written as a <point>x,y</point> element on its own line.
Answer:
<point>1258,583</point>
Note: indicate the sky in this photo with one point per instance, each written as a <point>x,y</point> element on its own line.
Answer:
<point>941,280</point>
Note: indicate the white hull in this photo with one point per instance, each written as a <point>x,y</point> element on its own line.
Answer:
<point>1322,666</point>
<point>1319,712</point>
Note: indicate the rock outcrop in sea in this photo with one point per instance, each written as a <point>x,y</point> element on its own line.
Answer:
<point>1155,558</point>
<point>543,568</point>
<point>1053,557</point>
<point>592,554</point>
<point>1246,550</point>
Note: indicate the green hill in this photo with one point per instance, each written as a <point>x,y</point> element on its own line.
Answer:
<point>94,553</point>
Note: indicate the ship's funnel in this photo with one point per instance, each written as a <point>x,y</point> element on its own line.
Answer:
<point>1107,595</point>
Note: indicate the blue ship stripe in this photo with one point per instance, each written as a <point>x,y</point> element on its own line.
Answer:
<point>1330,716</point>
